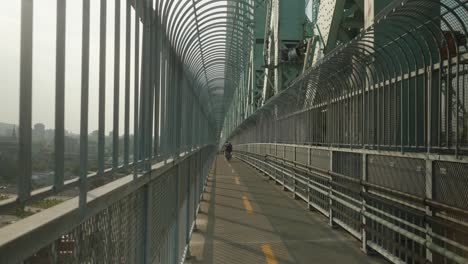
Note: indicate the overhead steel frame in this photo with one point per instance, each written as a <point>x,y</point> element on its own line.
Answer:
<point>374,135</point>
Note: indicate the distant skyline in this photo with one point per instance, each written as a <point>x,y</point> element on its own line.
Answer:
<point>44,64</point>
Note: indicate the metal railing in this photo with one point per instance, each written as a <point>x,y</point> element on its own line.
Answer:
<point>168,81</point>
<point>400,85</point>
<point>410,209</point>
<point>374,135</point>
<point>144,220</point>
<point>169,117</point>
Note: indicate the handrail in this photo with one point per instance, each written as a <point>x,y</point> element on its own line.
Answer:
<point>402,213</point>
<point>19,241</point>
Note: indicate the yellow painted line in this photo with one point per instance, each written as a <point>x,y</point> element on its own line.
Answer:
<point>247,205</point>
<point>237,180</point>
<point>269,255</point>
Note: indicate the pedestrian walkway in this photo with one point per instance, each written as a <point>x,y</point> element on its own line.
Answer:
<point>246,219</point>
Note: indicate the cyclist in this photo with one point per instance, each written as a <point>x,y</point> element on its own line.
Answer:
<point>227,150</point>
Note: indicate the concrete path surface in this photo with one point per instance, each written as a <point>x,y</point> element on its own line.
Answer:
<point>246,219</point>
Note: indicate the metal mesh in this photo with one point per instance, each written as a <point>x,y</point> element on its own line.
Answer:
<point>349,164</point>
<point>111,236</point>
<point>395,225</point>
<point>401,174</point>
<point>320,159</point>
<point>149,225</point>
<point>399,87</point>
<point>289,153</point>
<point>451,183</point>
<point>386,89</point>
<point>395,243</point>
<point>302,155</point>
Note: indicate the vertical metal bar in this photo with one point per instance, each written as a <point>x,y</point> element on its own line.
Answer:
<point>146,225</point>
<point>157,83</point>
<point>25,122</point>
<point>151,83</point>
<point>188,174</point>
<point>363,205</point>
<point>115,130</point>
<point>143,85</point>
<point>177,214</point>
<point>102,86</point>
<point>309,180</point>
<point>151,98</point>
<point>136,86</point>
<point>429,195</point>
<point>84,107</point>
<point>283,174</point>
<point>59,138</point>
<point>295,174</point>
<point>128,30</point>
<point>330,193</point>
<point>163,97</point>
<point>148,91</point>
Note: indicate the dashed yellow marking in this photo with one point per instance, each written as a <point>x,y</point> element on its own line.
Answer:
<point>237,180</point>
<point>247,205</point>
<point>269,255</point>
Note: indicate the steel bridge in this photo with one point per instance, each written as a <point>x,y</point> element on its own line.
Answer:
<point>348,120</point>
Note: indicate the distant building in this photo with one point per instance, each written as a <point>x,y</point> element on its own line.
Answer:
<point>9,145</point>
<point>72,146</point>
<point>93,136</point>
<point>38,133</point>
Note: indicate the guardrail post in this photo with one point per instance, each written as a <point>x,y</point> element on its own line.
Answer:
<point>176,218</point>
<point>294,175</point>
<point>283,175</point>
<point>309,162</point>
<point>429,195</point>
<point>143,250</point>
<point>276,161</point>
<point>189,201</point>
<point>330,193</point>
<point>363,205</point>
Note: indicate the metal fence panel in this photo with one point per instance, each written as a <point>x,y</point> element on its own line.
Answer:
<point>401,174</point>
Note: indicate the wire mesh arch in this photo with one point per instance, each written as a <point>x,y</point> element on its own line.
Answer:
<point>400,85</point>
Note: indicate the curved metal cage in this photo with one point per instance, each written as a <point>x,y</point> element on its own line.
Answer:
<point>401,84</point>
<point>212,40</point>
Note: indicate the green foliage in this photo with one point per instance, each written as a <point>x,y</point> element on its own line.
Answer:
<point>8,170</point>
<point>47,203</point>
<point>22,213</point>
<point>40,165</point>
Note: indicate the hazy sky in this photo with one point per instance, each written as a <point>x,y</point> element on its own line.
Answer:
<point>44,63</point>
<point>44,39</point>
